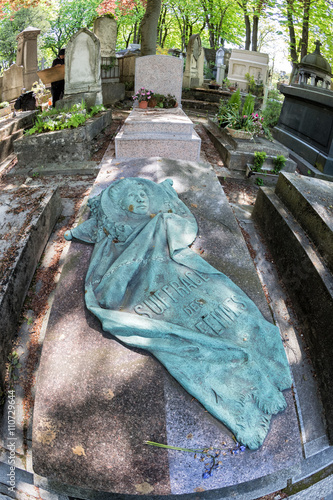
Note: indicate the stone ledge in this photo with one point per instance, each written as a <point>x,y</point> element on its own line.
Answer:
<point>309,283</point>
<point>29,231</point>
<point>310,201</point>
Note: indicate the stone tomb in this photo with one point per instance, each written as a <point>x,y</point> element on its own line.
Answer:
<point>237,153</point>
<point>167,133</point>
<point>98,401</point>
<point>306,127</point>
<point>41,152</point>
<point>247,61</point>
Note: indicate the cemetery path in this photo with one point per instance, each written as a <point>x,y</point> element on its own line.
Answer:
<point>73,191</point>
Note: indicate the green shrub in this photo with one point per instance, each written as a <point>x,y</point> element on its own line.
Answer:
<point>248,107</point>
<point>279,163</point>
<point>272,112</point>
<point>259,159</point>
<point>4,104</point>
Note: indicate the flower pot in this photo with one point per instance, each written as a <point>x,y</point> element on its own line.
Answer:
<point>152,102</point>
<point>239,134</point>
<point>143,104</point>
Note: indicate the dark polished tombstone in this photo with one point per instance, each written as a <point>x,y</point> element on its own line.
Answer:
<point>306,124</point>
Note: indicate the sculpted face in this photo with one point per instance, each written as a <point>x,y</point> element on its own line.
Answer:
<point>136,201</point>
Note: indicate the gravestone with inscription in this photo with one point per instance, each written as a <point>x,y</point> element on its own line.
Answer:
<point>151,291</point>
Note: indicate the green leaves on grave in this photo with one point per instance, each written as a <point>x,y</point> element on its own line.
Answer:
<point>55,119</point>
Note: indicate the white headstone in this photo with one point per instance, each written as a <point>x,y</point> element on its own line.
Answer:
<point>83,64</point>
<point>161,74</point>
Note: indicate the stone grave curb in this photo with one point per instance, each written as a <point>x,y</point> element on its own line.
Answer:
<point>26,260</point>
<point>237,153</point>
<point>12,131</point>
<point>293,192</point>
<point>303,271</point>
<point>72,144</point>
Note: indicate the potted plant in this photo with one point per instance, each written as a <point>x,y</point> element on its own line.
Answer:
<point>143,96</point>
<point>163,101</point>
<point>241,121</point>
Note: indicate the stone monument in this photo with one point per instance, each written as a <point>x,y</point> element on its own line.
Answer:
<point>27,55</point>
<point>105,28</point>
<point>151,291</point>
<point>219,63</point>
<point>83,70</point>
<point>168,133</point>
<point>305,122</point>
<point>247,61</point>
<point>193,74</point>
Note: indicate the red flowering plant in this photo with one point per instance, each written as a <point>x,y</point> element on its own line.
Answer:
<point>143,95</point>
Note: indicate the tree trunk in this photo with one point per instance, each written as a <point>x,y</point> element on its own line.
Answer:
<point>292,36</point>
<point>248,31</point>
<point>255,33</point>
<point>305,28</point>
<point>149,27</point>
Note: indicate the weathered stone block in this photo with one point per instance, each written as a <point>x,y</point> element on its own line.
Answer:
<point>66,146</point>
<point>309,284</point>
<point>25,230</point>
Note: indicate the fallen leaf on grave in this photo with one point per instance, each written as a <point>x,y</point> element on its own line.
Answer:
<point>144,488</point>
<point>79,451</point>
<point>152,216</point>
<point>199,490</point>
<point>109,394</point>
<point>189,436</point>
<point>194,205</point>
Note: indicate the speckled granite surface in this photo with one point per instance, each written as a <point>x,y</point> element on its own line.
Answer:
<point>98,401</point>
<point>159,73</point>
<point>168,133</point>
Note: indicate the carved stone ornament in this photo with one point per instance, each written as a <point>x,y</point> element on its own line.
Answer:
<point>151,291</point>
